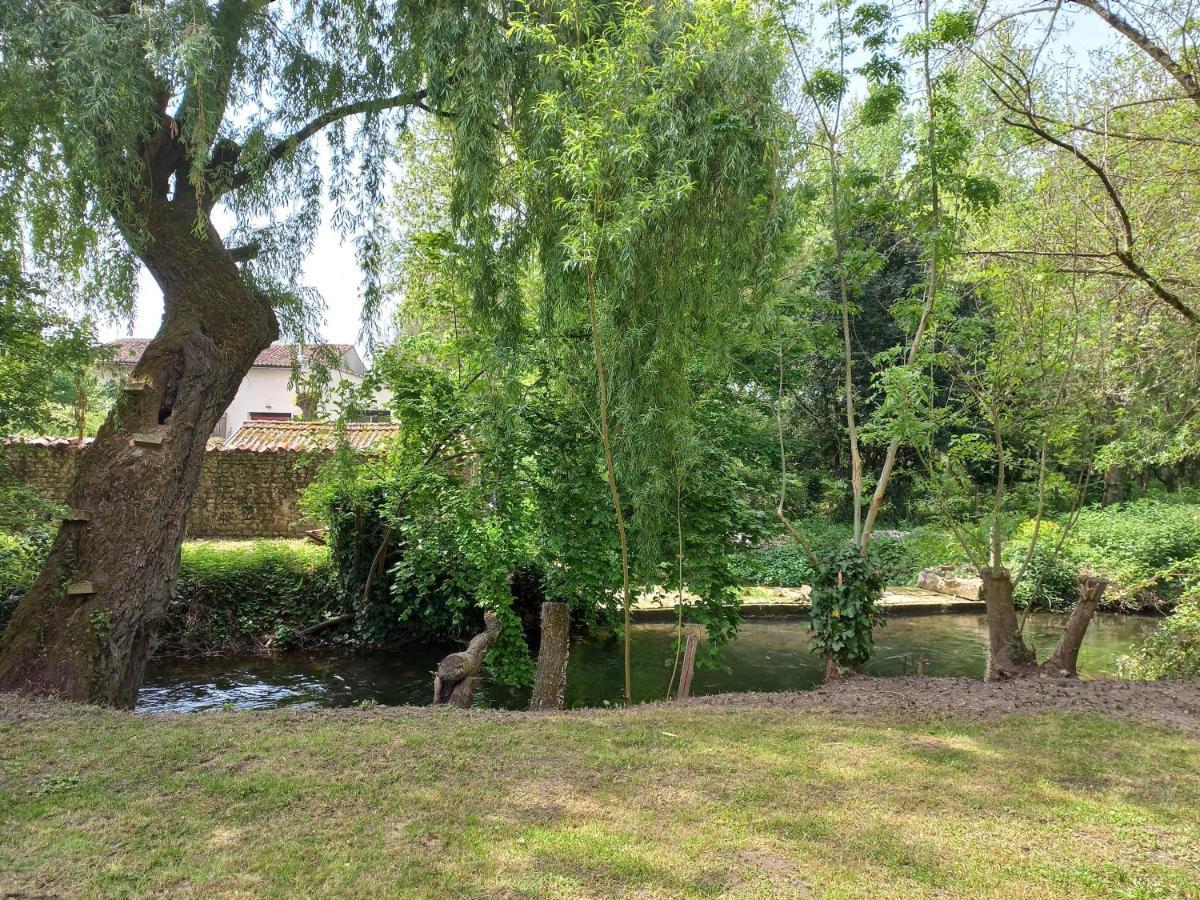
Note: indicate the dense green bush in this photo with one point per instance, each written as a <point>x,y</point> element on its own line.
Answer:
<point>1050,581</point>
<point>901,555</point>
<point>1138,546</point>
<point>231,595</point>
<point>845,606</point>
<point>21,558</point>
<point>241,595</point>
<point>778,564</point>
<point>1172,650</point>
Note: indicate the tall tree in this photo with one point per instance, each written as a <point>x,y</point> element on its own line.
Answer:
<point>649,173</point>
<point>126,128</point>
<point>1138,101</point>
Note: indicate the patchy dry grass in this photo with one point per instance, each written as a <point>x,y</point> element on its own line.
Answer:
<point>661,801</point>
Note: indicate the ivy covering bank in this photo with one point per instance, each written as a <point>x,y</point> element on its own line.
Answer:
<point>231,596</point>
<point>249,595</point>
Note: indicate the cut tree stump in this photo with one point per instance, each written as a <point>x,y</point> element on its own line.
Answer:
<point>550,683</point>
<point>456,677</point>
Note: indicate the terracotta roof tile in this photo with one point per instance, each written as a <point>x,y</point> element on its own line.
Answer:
<point>127,352</point>
<point>266,436</point>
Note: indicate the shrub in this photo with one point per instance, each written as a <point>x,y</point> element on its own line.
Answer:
<point>238,595</point>
<point>1050,581</point>
<point>1138,546</point>
<point>1172,650</point>
<point>904,554</point>
<point>231,595</point>
<point>901,555</point>
<point>845,606</point>
<point>21,557</point>
<point>783,563</point>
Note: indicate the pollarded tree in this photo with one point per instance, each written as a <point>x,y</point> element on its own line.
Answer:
<point>126,126</point>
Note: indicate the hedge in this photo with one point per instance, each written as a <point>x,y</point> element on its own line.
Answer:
<point>242,595</point>
<point>231,595</point>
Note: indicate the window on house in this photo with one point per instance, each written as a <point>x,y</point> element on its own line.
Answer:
<point>270,417</point>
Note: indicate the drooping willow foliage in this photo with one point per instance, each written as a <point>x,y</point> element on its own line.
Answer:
<point>649,175</point>
<point>282,111</point>
<point>579,303</point>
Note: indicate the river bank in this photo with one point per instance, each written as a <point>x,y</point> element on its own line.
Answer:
<point>867,788</point>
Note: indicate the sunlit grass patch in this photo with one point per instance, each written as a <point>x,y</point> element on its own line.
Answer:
<point>685,801</point>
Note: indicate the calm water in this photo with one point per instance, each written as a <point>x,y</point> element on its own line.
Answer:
<point>769,655</point>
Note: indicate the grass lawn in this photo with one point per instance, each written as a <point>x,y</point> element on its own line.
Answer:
<point>657,801</point>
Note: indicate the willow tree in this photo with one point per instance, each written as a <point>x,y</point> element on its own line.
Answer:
<point>130,131</point>
<point>648,175</point>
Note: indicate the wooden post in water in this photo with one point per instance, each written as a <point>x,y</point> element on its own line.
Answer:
<point>689,666</point>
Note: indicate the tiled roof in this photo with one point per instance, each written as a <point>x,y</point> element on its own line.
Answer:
<point>264,436</point>
<point>43,441</point>
<point>127,352</point>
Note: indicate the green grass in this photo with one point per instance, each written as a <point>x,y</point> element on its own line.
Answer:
<point>667,802</point>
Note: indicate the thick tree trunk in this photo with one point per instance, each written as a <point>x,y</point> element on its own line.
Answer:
<point>85,629</point>
<point>1063,662</point>
<point>550,682</point>
<point>1008,654</point>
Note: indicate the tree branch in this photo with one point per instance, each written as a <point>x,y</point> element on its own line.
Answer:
<point>1147,45</point>
<point>1124,253</point>
<point>283,147</point>
<point>245,252</point>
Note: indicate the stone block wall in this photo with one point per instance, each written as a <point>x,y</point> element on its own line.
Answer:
<point>242,493</point>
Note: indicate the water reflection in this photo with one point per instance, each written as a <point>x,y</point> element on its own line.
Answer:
<point>769,655</point>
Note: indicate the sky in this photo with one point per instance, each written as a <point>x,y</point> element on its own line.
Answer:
<point>332,269</point>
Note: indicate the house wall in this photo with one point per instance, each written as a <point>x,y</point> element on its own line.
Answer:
<point>262,390</point>
<point>242,493</point>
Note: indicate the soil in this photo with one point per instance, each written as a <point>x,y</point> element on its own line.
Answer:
<point>1174,704</point>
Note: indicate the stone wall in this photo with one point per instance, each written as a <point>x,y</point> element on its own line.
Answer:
<point>242,493</point>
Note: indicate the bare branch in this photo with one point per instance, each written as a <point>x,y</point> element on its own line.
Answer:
<point>1146,44</point>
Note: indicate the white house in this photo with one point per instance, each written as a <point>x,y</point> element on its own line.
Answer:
<point>269,392</point>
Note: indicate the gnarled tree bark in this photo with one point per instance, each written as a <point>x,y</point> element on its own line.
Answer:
<point>457,675</point>
<point>85,629</point>
<point>550,682</point>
